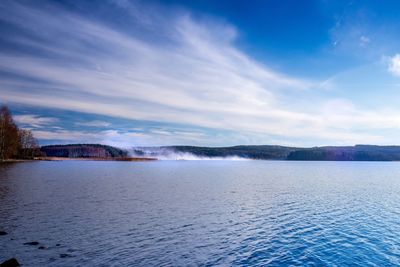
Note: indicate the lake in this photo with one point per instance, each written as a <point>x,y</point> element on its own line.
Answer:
<point>201,213</point>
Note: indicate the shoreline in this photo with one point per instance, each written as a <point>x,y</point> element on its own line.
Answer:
<point>135,159</point>
<point>94,159</point>
<point>15,160</point>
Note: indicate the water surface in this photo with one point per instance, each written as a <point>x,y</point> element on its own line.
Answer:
<point>201,213</point>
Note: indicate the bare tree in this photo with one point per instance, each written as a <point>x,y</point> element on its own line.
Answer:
<point>28,144</point>
<point>9,138</point>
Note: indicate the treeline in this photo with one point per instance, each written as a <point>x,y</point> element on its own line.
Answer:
<point>15,143</point>
<point>348,153</point>
<point>268,152</point>
<point>251,152</point>
<point>83,151</point>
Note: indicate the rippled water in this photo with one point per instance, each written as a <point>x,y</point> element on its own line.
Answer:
<point>201,213</point>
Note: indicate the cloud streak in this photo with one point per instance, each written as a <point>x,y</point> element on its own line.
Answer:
<point>36,121</point>
<point>95,123</point>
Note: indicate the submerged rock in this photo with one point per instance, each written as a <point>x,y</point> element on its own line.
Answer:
<point>10,263</point>
<point>64,255</point>
<point>41,247</point>
<point>3,233</point>
<point>33,243</point>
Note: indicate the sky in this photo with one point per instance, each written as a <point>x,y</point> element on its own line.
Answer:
<point>210,73</point>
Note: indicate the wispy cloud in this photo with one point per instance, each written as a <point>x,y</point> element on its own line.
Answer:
<point>198,72</point>
<point>36,121</point>
<point>364,41</point>
<point>123,138</point>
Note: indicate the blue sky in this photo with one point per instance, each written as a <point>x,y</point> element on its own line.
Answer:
<point>217,73</point>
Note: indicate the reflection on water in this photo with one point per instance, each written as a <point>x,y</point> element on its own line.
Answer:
<point>179,213</point>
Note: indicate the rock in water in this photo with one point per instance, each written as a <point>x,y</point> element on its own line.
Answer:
<point>33,243</point>
<point>10,263</point>
<point>65,255</point>
<point>3,233</point>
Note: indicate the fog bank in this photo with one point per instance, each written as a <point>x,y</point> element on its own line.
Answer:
<point>163,153</point>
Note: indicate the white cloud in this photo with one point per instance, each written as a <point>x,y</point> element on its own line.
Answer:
<point>394,65</point>
<point>36,121</point>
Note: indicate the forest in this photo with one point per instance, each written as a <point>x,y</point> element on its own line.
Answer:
<point>272,152</point>
<point>83,151</point>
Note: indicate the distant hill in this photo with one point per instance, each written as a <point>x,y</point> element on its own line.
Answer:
<point>83,151</point>
<point>251,152</point>
<point>348,153</point>
<point>270,152</point>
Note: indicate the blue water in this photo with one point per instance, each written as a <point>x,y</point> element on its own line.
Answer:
<point>201,213</point>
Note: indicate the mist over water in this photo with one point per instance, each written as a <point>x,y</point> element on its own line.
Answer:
<point>163,153</point>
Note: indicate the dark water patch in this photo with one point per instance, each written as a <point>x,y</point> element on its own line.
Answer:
<point>33,243</point>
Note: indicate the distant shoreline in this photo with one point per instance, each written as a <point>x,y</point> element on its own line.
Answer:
<point>98,152</point>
